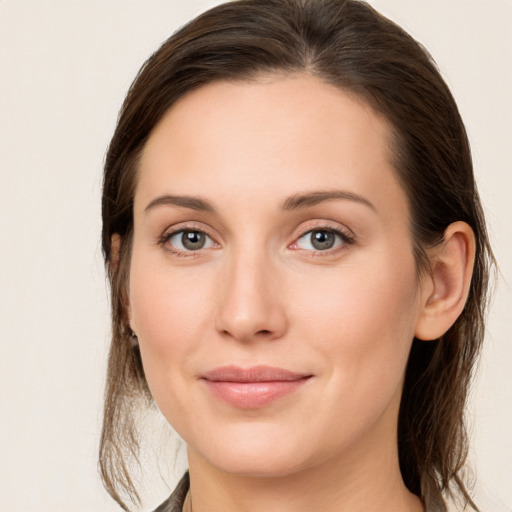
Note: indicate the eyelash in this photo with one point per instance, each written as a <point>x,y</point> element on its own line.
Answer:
<point>167,236</point>
<point>345,238</point>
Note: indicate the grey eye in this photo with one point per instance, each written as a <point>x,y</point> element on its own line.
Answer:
<point>320,240</point>
<point>190,240</point>
<point>193,240</point>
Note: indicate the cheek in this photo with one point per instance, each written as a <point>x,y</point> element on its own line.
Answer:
<point>169,319</point>
<point>169,315</point>
<point>165,307</point>
<point>363,321</point>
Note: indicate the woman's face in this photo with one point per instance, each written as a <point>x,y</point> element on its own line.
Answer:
<point>273,287</point>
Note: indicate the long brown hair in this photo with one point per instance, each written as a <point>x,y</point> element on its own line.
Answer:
<point>348,44</point>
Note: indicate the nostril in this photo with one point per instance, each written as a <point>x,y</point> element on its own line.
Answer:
<point>264,333</point>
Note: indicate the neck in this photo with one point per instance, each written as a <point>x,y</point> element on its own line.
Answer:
<point>366,479</point>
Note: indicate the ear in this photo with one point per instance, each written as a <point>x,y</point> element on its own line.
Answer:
<point>446,289</point>
<point>115,256</point>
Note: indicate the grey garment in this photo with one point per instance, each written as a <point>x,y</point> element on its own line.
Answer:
<point>174,503</point>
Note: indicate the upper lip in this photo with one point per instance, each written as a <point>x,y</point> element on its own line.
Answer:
<point>252,374</point>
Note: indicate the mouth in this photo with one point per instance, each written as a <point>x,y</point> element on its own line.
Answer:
<point>252,388</point>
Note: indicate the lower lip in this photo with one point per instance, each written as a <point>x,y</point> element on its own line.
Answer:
<point>253,395</point>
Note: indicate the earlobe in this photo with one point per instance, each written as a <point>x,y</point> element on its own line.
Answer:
<point>452,267</point>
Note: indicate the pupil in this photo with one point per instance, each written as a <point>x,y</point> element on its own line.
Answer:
<point>322,240</point>
<point>193,240</point>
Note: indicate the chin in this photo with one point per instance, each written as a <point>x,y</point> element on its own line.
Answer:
<point>257,465</point>
<point>260,452</point>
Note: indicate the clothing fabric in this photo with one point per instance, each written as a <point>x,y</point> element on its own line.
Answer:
<point>176,501</point>
<point>179,500</point>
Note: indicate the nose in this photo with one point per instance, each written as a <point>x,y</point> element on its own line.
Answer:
<point>250,300</point>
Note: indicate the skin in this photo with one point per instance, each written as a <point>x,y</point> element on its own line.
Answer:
<point>258,293</point>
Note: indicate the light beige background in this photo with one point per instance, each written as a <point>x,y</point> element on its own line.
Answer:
<point>64,69</point>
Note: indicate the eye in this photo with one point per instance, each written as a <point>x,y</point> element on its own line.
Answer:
<point>187,240</point>
<point>321,240</point>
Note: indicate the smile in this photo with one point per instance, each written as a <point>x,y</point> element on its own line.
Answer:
<point>252,388</point>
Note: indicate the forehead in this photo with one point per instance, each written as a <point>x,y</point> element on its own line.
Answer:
<point>266,137</point>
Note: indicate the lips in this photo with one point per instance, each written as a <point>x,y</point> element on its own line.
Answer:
<point>252,388</point>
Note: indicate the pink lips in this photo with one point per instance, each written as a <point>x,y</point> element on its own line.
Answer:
<point>254,387</point>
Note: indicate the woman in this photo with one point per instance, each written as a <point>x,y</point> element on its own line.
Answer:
<point>298,261</point>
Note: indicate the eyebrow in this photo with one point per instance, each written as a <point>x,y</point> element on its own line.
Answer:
<point>308,199</point>
<point>295,202</point>
<point>192,203</point>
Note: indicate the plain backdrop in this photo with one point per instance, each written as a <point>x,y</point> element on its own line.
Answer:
<point>65,67</point>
